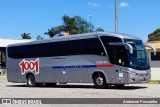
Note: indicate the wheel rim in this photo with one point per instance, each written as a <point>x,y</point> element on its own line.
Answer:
<point>30,81</point>
<point>99,81</point>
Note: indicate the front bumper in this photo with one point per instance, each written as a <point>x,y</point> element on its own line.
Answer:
<point>139,78</point>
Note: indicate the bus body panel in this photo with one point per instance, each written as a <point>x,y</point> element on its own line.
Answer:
<point>73,68</point>
<point>139,76</point>
<point>69,71</point>
<point>61,69</point>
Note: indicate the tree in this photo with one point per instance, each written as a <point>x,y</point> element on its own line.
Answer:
<point>154,36</point>
<point>71,25</point>
<point>83,25</point>
<point>39,37</point>
<point>55,30</point>
<point>99,29</point>
<point>3,60</point>
<point>26,36</point>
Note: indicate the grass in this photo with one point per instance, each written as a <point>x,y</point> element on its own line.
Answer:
<point>3,76</point>
<point>154,82</point>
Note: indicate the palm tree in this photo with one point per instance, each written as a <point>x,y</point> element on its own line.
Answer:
<point>70,25</point>
<point>26,36</point>
<point>54,30</point>
<point>83,25</point>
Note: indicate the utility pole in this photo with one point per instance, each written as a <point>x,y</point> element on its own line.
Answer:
<point>116,15</point>
<point>90,17</point>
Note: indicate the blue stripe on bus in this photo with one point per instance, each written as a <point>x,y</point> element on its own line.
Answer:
<point>76,66</point>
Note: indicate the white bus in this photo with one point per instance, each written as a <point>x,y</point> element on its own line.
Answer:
<point>99,58</point>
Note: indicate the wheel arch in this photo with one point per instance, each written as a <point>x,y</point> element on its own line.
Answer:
<point>101,72</point>
<point>30,73</point>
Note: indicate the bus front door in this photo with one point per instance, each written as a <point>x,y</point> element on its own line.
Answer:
<point>121,61</point>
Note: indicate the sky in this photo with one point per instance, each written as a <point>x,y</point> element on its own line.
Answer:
<point>135,17</point>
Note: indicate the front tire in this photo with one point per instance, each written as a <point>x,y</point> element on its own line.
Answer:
<point>31,81</point>
<point>99,81</point>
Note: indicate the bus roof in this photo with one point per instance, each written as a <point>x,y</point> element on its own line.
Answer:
<point>81,36</point>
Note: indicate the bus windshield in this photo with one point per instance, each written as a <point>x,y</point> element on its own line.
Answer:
<point>139,59</point>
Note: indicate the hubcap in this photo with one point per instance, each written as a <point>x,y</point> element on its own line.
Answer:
<point>30,81</point>
<point>99,81</point>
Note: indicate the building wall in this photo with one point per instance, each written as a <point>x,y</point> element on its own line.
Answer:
<point>155,67</point>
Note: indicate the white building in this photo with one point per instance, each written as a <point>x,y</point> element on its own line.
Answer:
<point>3,44</point>
<point>154,60</point>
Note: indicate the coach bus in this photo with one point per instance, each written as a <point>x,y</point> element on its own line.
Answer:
<point>102,58</point>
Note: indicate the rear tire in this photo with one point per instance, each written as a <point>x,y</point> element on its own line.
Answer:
<point>99,81</point>
<point>31,81</point>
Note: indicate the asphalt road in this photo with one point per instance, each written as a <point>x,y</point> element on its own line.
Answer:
<point>20,90</point>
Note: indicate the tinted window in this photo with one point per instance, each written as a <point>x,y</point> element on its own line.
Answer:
<point>41,50</point>
<point>56,49</point>
<point>21,51</point>
<point>27,51</point>
<point>138,59</point>
<point>119,56</point>
<point>92,46</point>
<point>13,52</point>
<point>109,39</point>
<point>72,47</point>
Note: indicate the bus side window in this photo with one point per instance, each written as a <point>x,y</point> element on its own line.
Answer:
<point>72,47</point>
<point>92,46</point>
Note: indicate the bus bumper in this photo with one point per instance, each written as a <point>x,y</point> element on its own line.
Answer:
<point>139,78</point>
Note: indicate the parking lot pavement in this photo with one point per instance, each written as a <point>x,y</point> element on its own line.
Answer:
<point>20,90</point>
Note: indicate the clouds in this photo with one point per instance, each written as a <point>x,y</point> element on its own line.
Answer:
<point>94,4</point>
<point>124,4</point>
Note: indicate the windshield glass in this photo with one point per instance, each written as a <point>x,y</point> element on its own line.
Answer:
<point>139,59</point>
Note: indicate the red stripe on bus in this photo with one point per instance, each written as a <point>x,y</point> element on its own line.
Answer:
<point>105,65</point>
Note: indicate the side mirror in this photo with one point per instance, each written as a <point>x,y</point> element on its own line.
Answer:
<point>154,49</point>
<point>127,46</point>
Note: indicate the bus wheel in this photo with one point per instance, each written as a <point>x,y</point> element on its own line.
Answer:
<point>99,81</point>
<point>119,85</point>
<point>50,84</point>
<point>31,81</point>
